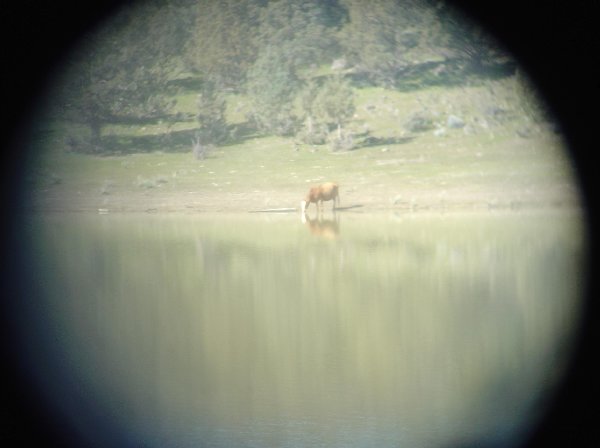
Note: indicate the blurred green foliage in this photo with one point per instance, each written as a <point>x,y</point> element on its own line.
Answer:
<point>134,69</point>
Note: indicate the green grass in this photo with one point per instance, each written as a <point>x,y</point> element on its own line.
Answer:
<point>484,164</point>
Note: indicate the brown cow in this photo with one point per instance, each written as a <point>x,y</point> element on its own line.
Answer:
<point>324,192</point>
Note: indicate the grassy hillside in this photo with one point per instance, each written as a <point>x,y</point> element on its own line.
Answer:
<point>498,157</point>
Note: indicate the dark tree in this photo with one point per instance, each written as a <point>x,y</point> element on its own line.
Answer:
<point>121,72</point>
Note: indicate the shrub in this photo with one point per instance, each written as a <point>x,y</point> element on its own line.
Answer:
<point>343,142</point>
<point>419,122</point>
<point>314,134</point>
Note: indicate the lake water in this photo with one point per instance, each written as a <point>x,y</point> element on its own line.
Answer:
<point>265,331</point>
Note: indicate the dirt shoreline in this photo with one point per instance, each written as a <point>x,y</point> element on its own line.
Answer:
<point>283,207</point>
<point>353,200</point>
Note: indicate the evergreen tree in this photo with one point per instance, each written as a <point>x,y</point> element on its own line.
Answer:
<point>224,43</point>
<point>327,106</point>
<point>314,131</point>
<point>211,116</point>
<point>383,36</point>
<point>334,103</point>
<point>272,86</point>
<point>302,30</point>
<point>466,39</point>
<point>121,73</point>
<point>293,36</point>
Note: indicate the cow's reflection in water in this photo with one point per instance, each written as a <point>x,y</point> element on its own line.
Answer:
<point>323,228</point>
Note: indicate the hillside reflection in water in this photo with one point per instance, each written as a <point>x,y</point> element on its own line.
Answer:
<point>267,331</point>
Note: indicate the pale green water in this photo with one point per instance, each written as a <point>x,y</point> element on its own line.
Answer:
<point>254,331</point>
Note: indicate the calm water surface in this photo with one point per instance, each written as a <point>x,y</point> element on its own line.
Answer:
<point>265,331</point>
